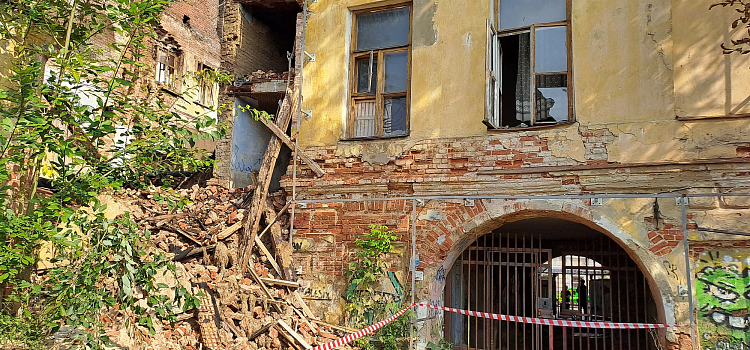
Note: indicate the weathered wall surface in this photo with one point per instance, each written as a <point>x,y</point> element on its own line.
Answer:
<point>636,65</point>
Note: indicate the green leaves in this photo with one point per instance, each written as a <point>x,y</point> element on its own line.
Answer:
<point>84,126</point>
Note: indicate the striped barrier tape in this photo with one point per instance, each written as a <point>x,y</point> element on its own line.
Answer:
<point>533,320</point>
<point>551,322</point>
<point>362,332</point>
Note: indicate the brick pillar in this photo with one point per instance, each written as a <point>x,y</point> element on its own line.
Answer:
<point>230,30</point>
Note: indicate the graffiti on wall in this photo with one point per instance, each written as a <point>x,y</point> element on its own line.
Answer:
<point>723,292</point>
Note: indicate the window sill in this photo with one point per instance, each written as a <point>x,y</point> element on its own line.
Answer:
<point>535,127</point>
<point>354,139</point>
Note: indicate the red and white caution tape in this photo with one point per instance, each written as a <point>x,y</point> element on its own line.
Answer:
<point>551,322</point>
<point>361,333</point>
<point>533,320</point>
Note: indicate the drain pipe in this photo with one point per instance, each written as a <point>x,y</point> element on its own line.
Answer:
<point>683,205</point>
<point>413,263</point>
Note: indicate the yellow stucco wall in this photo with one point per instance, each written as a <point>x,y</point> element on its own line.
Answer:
<point>636,65</point>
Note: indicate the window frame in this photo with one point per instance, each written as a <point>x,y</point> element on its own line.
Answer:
<point>171,79</point>
<point>379,96</point>
<point>493,109</point>
<point>204,87</point>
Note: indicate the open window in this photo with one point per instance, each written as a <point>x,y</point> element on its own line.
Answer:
<point>528,64</point>
<point>379,97</point>
<point>166,66</point>
<point>206,86</point>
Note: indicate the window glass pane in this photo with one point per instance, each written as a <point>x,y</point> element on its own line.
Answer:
<point>395,71</point>
<point>550,53</point>
<point>551,99</point>
<point>364,118</point>
<point>381,29</point>
<point>363,76</point>
<point>394,116</point>
<point>523,13</point>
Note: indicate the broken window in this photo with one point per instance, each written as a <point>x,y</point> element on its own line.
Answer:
<point>206,86</point>
<point>166,67</point>
<point>380,66</point>
<point>528,64</point>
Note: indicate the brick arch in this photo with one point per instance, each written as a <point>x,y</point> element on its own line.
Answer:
<point>496,213</point>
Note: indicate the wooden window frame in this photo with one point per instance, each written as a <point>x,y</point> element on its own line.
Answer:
<point>171,79</point>
<point>494,112</point>
<point>204,86</point>
<point>379,96</point>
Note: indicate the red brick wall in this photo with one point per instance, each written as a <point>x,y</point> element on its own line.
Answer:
<point>204,15</point>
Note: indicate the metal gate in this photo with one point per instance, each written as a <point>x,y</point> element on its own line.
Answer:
<point>526,275</point>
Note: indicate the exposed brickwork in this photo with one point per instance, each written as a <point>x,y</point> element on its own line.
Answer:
<point>444,160</point>
<point>664,240</point>
<point>595,142</point>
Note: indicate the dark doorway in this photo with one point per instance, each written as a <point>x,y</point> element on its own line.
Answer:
<point>548,268</point>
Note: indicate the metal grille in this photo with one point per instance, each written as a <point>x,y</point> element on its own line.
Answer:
<point>531,276</point>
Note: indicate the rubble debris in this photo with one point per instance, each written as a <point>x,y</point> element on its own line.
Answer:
<point>260,309</point>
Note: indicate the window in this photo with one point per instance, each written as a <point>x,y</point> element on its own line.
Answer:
<point>528,64</point>
<point>205,86</point>
<point>379,96</point>
<point>166,67</point>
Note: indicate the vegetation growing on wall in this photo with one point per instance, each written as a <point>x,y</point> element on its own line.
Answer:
<point>89,126</point>
<point>367,307</point>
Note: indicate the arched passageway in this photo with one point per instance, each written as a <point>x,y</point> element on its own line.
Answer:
<point>549,268</point>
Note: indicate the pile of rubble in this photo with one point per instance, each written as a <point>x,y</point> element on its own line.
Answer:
<point>242,306</point>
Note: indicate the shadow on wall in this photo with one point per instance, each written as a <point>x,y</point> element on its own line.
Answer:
<point>723,292</point>
<point>706,81</point>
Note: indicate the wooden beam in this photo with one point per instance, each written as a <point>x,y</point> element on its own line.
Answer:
<point>339,328</point>
<point>268,255</point>
<point>229,230</point>
<point>294,334</point>
<point>585,167</point>
<point>252,221</point>
<point>303,306</point>
<point>305,158</point>
<point>277,282</point>
<point>265,289</point>
<point>261,330</point>
<point>268,227</point>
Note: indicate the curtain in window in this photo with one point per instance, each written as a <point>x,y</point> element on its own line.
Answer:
<point>523,83</point>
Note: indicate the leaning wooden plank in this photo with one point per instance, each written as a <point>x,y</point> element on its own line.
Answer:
<point>281,248</point>
<point>268,255</point>
<point>264,288</point>
<point>303,306</point>
<point>261,330</point>
<point>280,282</point>
<point>313,328</point>
<point>305,158</point>
<point>294,334</point>
<point>288,338</point>
<point>252,221</point>
<point>276,218</point>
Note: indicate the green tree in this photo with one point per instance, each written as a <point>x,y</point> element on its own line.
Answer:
<point>47,129</point>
